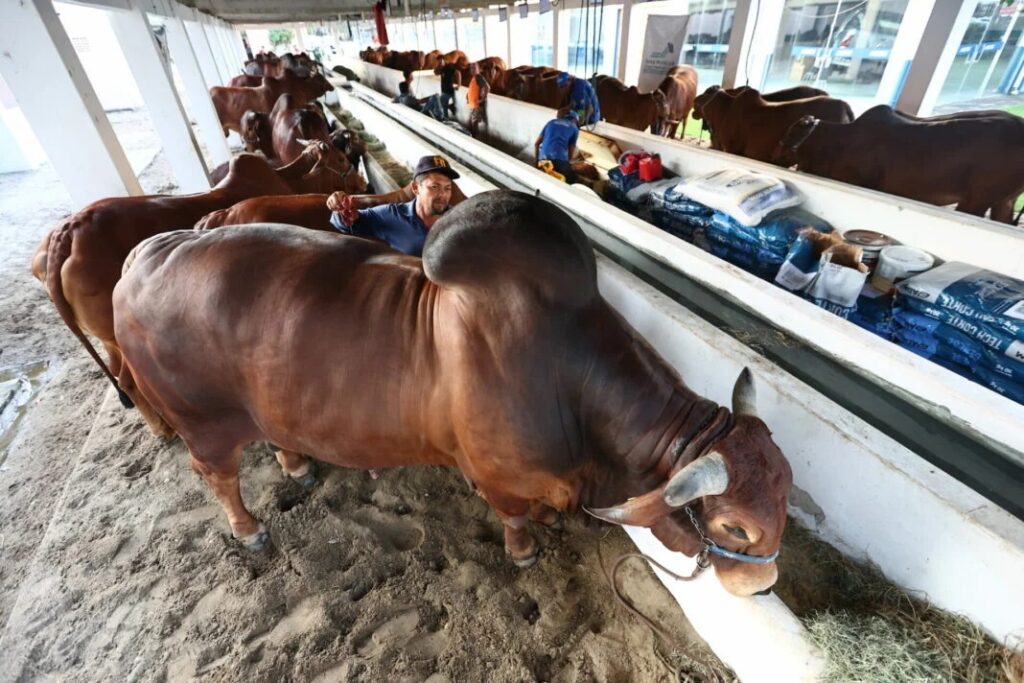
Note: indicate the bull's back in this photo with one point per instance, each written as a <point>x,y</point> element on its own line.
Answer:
<point>274,333</point>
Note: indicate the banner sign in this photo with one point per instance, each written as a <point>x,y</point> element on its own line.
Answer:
<point>663,45</point>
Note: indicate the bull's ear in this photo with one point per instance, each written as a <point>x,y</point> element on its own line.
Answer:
<point>643,510</point>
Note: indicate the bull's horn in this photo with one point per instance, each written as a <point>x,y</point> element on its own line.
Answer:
<point>643,510</point>
<point>705,476</point>
<point>303,142</point>
<point>744,398</point>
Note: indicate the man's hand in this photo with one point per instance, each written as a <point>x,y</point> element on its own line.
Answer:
<point>343,204</point>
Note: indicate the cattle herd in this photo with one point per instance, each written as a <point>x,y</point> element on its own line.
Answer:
<point>495,353</point>
<point>974,160</point>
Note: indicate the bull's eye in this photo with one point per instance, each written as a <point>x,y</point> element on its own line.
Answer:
<point>737,532</point>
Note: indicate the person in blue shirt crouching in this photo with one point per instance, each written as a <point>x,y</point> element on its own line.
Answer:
<point>557,143</point>
<point>403,226</point>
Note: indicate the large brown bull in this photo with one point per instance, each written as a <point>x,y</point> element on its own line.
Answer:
<point>975,161</point>
<point>680,89</point>
<point>79,261</point>
<point>628,107</point>
<point>232,103</point>
<point>536,85</point>
<point>494,354</point>
<point>751,126</point>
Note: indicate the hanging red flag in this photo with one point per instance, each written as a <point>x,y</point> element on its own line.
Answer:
<point>378,18</point>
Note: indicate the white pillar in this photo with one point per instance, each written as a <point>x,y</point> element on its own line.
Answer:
<point>202,21</point>
<point>750,52</point>
<point>231,62</point>
<point>200,48</point>
<point>153,78</point>
<point>65,113</point>
<point>196,90</point>
<point>556,39</point>
<point>908,39</point>
<point>942,35</point>
<point>299,39</point>
<point>627,10</point>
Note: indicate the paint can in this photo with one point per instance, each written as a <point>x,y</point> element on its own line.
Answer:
<point>898,263</point>
<point>871,244</point>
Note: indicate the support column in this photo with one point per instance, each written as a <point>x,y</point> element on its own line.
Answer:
<point>627,10</point>
<point>196,90</point>
<point>906,43</point>
<point>750,51</point>
<point>153,78</point>
<point>65,115</point>
<point>942,36</point>
<point>231,63</point>
<point>197,40</point>
<point>556,40</point>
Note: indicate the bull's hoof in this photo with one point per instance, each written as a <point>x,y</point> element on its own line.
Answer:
<point>307,480</point>
<point>526,562</point>
<point>257,541</point>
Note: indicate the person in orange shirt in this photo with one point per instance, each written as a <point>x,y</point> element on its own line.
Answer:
<point>476,97</point>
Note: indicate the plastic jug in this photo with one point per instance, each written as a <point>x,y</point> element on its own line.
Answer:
<point>650,168</point>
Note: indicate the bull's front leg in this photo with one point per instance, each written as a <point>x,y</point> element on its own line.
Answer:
<point>298,467</point>
<point>514,515</point>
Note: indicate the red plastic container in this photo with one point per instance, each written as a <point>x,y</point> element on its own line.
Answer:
<point>650,168</point>
<point>629,162</point>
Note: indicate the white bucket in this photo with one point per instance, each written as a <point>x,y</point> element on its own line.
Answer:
<point>898,263</point>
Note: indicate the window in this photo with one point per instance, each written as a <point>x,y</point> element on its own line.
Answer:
<point>532,37</point>
<point>497,36</point>
<point>444,29</point>
<point>471,36</point>
<point>990,59</point>
<point>707,38</point>
<point>590,41</point>
<point>842,47</point>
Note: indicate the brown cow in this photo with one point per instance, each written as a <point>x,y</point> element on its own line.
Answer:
<point>680,89</point>
<point>974,161</point>
<point>245,81</point>
<point>319,169</point>
<point>232,103</point>
<point>627,107</point>
<point>748,125</point>
<point>539,86</point>
<point>79,261</point>
<point>307,210</point>
<point>546,403</point>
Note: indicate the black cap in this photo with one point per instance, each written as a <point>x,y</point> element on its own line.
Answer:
<point>434,164</point>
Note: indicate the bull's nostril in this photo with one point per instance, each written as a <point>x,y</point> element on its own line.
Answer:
<point>766,591</point>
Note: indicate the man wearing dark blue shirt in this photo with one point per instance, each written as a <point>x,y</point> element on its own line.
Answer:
<point>582,98</point>
<point>403,226</point>
<point>557,144</point>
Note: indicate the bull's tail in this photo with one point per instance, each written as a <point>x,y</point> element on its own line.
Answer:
<point>61,241</point>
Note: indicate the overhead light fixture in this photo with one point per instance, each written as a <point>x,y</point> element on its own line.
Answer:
<point>476,14</point>
<point>503,13</point>
<point>524,9</point>
<point>545,6</point>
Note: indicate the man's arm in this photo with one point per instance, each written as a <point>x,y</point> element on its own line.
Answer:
<point>485,88</point>
<point>456,80</point>
<point>536,146</point>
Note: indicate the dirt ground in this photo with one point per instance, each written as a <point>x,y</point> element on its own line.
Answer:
<point>116,563</point>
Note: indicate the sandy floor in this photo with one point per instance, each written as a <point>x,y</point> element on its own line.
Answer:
<point>116,563</point>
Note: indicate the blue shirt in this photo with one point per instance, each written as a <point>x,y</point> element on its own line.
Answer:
<point>580,96</point>
<point>556,139</point>
<point>396,224</point>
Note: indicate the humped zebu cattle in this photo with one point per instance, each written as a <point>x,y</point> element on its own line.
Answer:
<point>495,354</point>
<point>80,260</point>
<point>232,103</point>
<point>627,106</point>
<point>751,126</point>
<point>975,161</point>
<point>537,85</point>
<point>306,210</point>
<point>680,88</point>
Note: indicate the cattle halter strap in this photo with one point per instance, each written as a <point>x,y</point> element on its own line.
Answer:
<point>712,548</point>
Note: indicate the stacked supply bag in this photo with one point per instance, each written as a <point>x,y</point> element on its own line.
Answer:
<point>826,270</point>
<point>748,219</point>
<point>631,183</point>
<point>969,320</point>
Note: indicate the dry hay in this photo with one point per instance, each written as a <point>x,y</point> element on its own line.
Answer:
<point>870,630</point>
